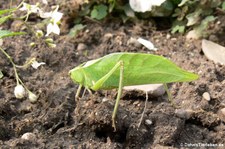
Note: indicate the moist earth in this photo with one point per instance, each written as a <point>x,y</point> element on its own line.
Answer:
<point>58,120</point>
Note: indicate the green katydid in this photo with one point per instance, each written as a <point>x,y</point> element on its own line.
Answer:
<point>125,69</point>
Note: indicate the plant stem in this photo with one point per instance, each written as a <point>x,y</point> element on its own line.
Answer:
<point>14,65</point>
<point>18,80</point>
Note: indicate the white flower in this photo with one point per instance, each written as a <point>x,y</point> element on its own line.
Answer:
<point>53,28</point>
<point>32,97</point>
<point>55,18</point>
<point>36,64</point>
<point>30,8</point>
<point>19,91</point>
<point>54,15</point>
<point>45,2</point>
<point>144,5</point>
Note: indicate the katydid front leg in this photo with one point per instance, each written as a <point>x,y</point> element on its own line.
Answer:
<point>78,92</point>
<point>101,81</point>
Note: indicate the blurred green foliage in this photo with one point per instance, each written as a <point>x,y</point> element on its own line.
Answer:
<point>99,12</point>
<point>6,33</point>
<point>185,15</point>
<point>195,15</point>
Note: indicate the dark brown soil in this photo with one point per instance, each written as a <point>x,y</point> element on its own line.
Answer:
<point>58,121</point>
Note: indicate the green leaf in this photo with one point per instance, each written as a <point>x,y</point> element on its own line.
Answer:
<point>194,17</point>
<point>203,26</point>
<point>214,3</point>
<point>176,2</point>
<point>73,32</point>
<point>1,74</point>
<point>183,3</point>
<point>180,13</point>
<point>206,21</point>
<point>6,33</point>
<point>99,12</point>
<point>164,10</point>
<point>178,26</point>
<point>6,11</point>
<point>5,18</point>
<point>223,6</point>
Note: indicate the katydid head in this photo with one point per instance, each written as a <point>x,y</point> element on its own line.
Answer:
<point>77,75</point>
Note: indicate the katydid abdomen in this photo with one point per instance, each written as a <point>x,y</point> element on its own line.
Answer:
<point>139,68</point>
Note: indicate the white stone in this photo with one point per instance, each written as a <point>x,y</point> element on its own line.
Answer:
<point>148,122</point>
<point>28,136</point>
<point>155,90</point>
<point>81,47</point>
<point>223,111</point>
<point>184,113</point>
<point>105,99</point>
<point>148,44</point>
<point>206,96</point>
<point>213,51</point>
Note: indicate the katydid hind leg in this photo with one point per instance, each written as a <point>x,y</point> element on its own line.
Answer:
<point>102,80</point>
<point>142,115</point>
<point>84,92</point>
<point>89,91</point>
<point>169,96</point>
<point>118,95</point>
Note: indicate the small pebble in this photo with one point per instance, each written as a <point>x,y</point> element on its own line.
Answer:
<point>223,82</point>
<point>148,122</point>
<point>173,39</point>
<point>133,41</point>
<point>184,113</point>
<point>81,47</point>
<point>221,114</point>
<point>105,99</point>
<point>136,103</point>
<point>108,35</point>
<point>168,36</point>
<point>223,111</point>
<point>206,96</point>
<point>28,136</point>
<point>157,40</point>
